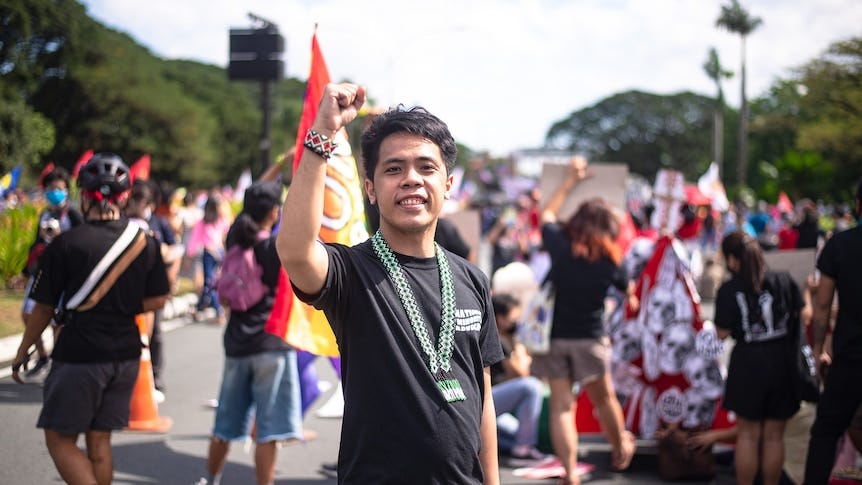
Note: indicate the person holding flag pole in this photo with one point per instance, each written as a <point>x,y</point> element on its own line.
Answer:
<point>413,322</point>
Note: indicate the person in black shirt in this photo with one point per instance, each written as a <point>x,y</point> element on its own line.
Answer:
<point>448,236</point>
<point>260,372</point>
<point>414,323</point>
<point>97,354</point>
<point>757,308</point>
<point>585,262</point>
<point>808,227</point>
<point>840,265</point>
<point>58,217</point>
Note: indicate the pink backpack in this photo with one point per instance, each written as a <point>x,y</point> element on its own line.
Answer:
<point>240,285</point>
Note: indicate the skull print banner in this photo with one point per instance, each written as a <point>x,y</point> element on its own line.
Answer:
<point>665,361</point>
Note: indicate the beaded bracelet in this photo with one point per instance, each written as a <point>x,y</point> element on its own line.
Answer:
<point>319,144</point>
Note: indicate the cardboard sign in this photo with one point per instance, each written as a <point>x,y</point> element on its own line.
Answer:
<point>798,262</point>
<point>608,181</point>
<point>469,224</point>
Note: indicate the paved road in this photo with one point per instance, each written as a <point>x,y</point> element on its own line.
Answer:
<point>194,363</point>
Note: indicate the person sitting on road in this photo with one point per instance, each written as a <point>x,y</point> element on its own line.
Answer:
<point>514,389</point>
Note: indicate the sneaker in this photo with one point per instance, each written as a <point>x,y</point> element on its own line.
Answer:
<point>329,470</point>
<point>201,481</point>
<point>43,364</point>
<point>158,396</point>
<point>531,457</point>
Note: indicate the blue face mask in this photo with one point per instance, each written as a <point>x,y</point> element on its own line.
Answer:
<point>56,196</point>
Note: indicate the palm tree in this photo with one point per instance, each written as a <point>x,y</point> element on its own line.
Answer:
<point>736,19</point>
<point>717,72</point>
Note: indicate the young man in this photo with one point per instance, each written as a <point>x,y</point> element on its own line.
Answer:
<point>840,264</point>
<point>57,217</point>
<point>414,323</point>
<point>97,355</point>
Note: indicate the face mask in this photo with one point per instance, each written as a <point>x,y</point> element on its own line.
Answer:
<point>147,214</point>
<point>56,196</point>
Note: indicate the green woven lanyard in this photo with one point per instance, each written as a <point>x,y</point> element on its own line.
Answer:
<point>439,358</point>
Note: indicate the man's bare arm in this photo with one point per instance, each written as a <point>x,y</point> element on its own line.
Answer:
<point>821,313</point>
<point>301,255</point>
<point>488,433</point>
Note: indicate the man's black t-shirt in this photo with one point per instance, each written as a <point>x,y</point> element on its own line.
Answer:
<point>841,260</point>
<point>108,331</point>
<point>245,334</point>
<point>581,287</point>
<point>397,426</point>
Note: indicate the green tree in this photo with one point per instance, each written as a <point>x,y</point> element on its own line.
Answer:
<point>832,111</point>
<point>735,19</point>
<point>809,126</point>
<point>25,136</point>
<point>717,72</point>
<point>646,131</point>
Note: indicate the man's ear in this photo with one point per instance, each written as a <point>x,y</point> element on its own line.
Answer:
<point>369,191</point>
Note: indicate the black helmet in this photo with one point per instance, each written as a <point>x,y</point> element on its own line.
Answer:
<point>105,173</point>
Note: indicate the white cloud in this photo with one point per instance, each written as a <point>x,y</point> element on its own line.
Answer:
<point>500,72</point>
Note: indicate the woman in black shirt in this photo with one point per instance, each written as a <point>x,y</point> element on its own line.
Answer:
<point>585,261</point>
<point>757,308</point>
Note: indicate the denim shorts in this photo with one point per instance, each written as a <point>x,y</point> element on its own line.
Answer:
<point>88,397</point>
<point>262,386</point>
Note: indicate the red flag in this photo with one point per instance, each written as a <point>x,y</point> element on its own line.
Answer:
<point>318,78</point>
<point>83,159</point>
<point>784,203</point>
<point>140,169</point>
<point>45,171</point>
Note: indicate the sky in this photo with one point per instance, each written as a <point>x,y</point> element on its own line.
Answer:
<point>501,72</point>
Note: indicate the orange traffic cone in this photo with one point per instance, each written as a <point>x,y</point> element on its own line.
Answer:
<point>143,412</point>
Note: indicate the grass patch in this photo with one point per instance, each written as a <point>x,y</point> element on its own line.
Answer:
<point>10,312</point>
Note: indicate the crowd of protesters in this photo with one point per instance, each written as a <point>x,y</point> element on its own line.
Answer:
<point>583,256</point>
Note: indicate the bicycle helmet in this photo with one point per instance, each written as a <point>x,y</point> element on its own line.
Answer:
<point>104,174</point>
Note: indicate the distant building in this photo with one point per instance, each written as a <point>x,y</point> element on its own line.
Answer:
<point>528,162</point>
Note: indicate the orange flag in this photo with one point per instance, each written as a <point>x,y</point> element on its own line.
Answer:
<point>343,212</point>
<point>140,169</point>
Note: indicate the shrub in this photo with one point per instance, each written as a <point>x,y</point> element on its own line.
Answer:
<point>17,227</point>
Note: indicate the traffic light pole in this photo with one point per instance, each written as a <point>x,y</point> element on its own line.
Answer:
<point>266,107</point>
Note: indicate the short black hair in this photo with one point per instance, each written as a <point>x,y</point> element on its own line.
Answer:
<point>58,173</point>
<point>503,303</point>
<point>416,121</point>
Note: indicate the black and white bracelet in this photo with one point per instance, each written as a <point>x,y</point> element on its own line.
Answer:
<point>319,144</point>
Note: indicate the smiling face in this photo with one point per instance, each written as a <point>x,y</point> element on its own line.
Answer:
<point>410,185</point>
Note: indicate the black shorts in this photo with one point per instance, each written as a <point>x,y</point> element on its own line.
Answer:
<point>759,383</point>
<point>88,397</point>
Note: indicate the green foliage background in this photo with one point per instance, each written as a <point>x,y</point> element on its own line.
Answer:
<point>68,83</point>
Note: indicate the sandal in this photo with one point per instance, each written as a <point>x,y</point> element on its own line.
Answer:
<point>622,459</point>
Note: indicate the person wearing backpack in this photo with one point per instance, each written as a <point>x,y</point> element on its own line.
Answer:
<point>93,279</point>
<point>260,370</point>
<point>59,216</point>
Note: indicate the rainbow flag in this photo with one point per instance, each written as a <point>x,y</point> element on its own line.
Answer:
<point>343,212</point>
